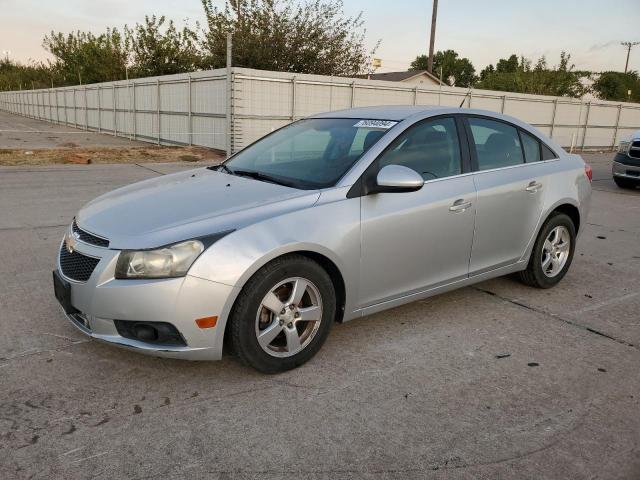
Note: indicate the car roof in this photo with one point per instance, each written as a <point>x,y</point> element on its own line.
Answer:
<point>387,112</point>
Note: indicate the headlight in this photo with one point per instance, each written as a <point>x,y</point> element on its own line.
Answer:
<point>624,147</point>
<point>167,262</point>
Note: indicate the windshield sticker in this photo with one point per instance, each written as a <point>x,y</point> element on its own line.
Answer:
<point>381,124</point>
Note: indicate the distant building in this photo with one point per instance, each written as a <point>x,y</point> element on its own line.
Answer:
<point>412,77</point>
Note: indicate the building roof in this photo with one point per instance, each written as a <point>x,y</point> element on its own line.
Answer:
<point>400,76</point>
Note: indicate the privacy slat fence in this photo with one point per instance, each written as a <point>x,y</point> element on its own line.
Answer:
<point>228,109</point>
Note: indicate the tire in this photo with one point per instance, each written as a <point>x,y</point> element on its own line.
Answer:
<point>625,183</point>
<point>535,274</point>
<point>279,281</point>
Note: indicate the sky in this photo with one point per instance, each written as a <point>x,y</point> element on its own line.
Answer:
<point>483,31</point>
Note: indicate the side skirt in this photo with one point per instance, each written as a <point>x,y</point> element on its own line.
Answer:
<point>379,307</point>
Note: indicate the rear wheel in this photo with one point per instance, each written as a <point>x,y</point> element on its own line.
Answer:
<point>625,182</point>
<point>552,253</point>
<point>283,314</point>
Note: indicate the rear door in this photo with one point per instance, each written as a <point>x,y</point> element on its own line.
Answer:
<point>415,240</point>
<point>510,191</point>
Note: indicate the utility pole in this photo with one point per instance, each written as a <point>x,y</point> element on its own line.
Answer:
<point>432,40</point>
<point>629,46</point>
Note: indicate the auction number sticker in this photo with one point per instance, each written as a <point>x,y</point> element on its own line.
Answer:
<point>381,124</point>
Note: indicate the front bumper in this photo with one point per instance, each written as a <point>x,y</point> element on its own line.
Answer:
<point>631,172</point>
<point>177,301</point>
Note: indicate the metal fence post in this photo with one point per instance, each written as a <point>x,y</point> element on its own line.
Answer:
<point>135,116</point>
<point>504,101</point>
<point>415,95</point>
<point>115,117</point>
<point>75,109</point>
<point>586,125</point>
<point>293,98</point>
<point>470,97</point>
<point>353,94</point>
<point>130,101</point>
<point>86,110</point>
<point>158,106</point>
<point>190,121</point>
<point>99,109</point>
<point>615,131</point>
<point>553,117</point>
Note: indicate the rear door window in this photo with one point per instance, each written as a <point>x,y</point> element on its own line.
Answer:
<point>531,147</point>
<point>497,143</point>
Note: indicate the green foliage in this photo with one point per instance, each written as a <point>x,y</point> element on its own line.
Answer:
<point>616,86</point>
<point>455,71</point>
<point>519,75</point>
<point>159,50</point>
<point>14,76</point>
<point>82,56</point>
<point>287,36</point>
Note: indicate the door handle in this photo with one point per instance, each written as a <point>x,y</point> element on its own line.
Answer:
<point>459,206</point>
<point>533,187</point>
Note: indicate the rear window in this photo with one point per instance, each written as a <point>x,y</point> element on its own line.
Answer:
<point>547,153</point>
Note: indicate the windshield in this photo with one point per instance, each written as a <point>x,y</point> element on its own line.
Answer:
<point>309,154</point>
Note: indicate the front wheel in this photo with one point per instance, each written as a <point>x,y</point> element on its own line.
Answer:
<point>283,314</point>
<point>552,253</point>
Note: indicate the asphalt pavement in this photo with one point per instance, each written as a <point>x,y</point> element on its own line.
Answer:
<point>493,381</point>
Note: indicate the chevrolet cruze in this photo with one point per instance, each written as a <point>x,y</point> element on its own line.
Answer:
<point>328,219</point>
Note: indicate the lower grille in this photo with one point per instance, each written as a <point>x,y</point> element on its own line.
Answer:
<point>76,266</point>
<point>634,150</point>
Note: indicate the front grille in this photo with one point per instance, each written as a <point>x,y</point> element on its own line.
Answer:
<point>87,237</point>
<point>634,150</point>
<point>76,266</point>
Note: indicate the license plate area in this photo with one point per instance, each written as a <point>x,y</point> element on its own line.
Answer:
<point>62,291</point>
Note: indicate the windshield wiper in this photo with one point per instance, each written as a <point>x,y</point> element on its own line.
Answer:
<point>221,167</point>
<point>262,177</point>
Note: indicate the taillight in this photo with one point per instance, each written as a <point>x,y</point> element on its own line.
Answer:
<point>588,171</point>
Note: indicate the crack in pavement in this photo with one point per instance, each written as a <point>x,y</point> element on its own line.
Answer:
<point>557,317</point>
<point>148,168</point>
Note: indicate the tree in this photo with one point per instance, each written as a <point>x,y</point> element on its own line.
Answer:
<point>455,71</point>
<point>158,50</point>
<point>14,75</point>
<point>522,76</point>
<point>616,86</point>
<point>285,35</point>
<point>86,57</point>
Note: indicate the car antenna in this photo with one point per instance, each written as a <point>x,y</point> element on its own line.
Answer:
<point>465,97</point>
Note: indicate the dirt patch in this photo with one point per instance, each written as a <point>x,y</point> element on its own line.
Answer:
<point>77,155</point>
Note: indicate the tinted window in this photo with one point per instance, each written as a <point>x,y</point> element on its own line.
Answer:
<point>497,144</point>
<point>312,153</point>
<point>547,153</point>
<point>431,148</point>
<point>531,147</point>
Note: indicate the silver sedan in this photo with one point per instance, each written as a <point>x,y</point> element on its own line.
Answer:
<point>328,219</point>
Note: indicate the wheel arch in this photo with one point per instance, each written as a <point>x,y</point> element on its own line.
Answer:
<point>567,206</point>
<point>328,264</point>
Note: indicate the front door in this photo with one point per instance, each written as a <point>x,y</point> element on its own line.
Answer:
<point>412,241</point>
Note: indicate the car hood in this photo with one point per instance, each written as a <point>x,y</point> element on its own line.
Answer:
<point>185,205</point>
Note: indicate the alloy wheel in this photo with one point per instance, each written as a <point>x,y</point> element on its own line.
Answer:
<point>555,251</point>
<point>289,317</point>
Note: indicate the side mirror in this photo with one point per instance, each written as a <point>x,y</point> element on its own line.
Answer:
<point>396,178</point>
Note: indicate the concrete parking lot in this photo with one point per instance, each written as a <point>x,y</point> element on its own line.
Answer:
<point>492,381</point>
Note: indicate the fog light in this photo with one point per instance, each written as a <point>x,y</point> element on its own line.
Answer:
<point>145,333</point>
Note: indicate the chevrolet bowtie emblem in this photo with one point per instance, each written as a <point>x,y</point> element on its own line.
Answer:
<point>70,243</point>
